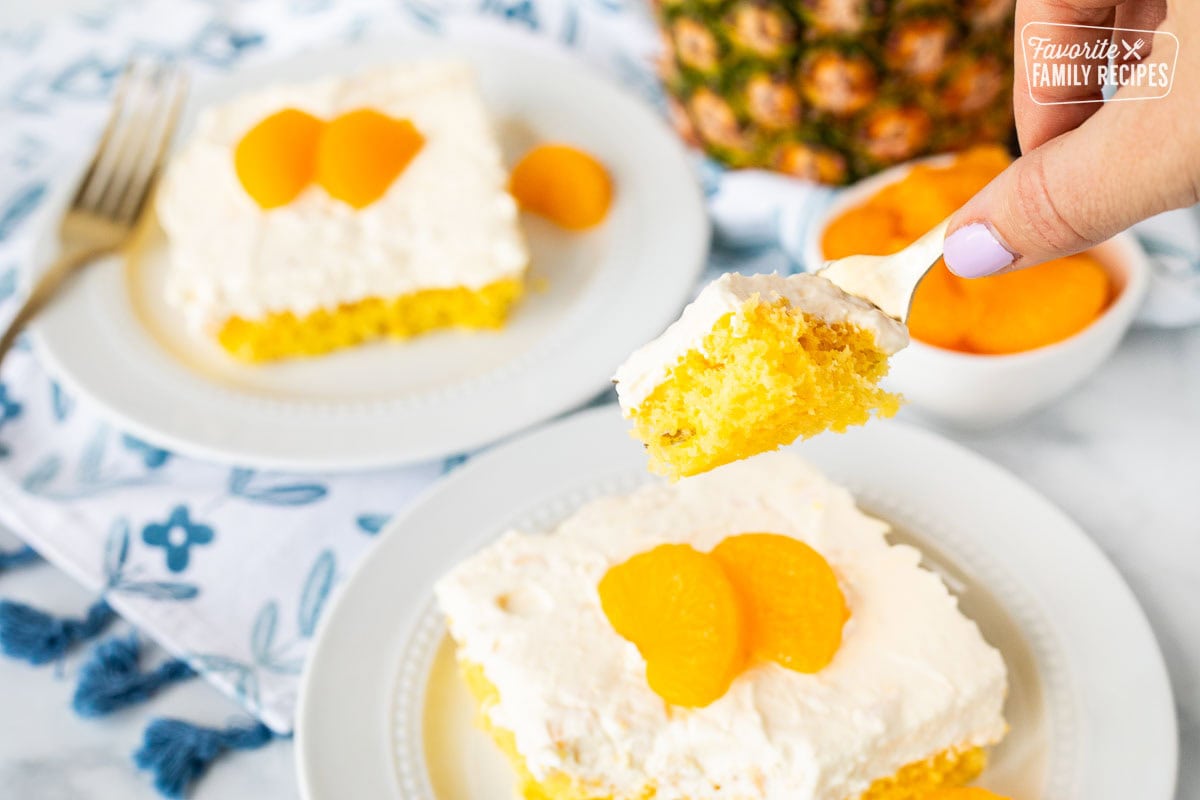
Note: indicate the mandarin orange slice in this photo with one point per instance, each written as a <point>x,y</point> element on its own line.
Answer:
<point>867,230</point>
<point>565,185</point>
<point>361,153</point>
<point>940,314</point>
<point>1034,307</point>
<point>794,606</point>
<point>680,609</point>
<point>276,159</point>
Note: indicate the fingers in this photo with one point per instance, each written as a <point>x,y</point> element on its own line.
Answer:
<point>1143,15</point>
<point>1037,123</point>
<point>1090,170</point>
<point>1079,189</point>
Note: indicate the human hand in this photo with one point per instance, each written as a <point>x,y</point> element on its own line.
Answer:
<point>1089,170</point>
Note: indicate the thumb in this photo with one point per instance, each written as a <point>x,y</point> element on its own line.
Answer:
<point>1122,165</point>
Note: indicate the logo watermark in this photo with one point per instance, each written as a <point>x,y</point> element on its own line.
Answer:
<point>1068,64</point>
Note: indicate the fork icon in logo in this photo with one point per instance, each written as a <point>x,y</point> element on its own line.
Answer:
<point>1134,50</point>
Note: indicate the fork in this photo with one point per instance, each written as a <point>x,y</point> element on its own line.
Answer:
<point>888,281</point>
<point>113,194</point>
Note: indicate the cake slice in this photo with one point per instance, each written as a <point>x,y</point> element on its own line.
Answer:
<point>373,244</point>
<point>907,704</point>
<point>755,362</point>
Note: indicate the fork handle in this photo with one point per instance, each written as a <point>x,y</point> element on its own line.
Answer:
<point>48,285</point>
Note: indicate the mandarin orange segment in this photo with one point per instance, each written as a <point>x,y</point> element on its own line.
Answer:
<point>983,164</point>
<point>794,606</point>
<point>565,185</point>
<point>867,231</point>
<point>940,314</point>
<point>963,793</point>
<point>276,159</point>
<point>1035,307</point>
<point>925,203</point>
<point>361,153</point>
<point>680,609</point>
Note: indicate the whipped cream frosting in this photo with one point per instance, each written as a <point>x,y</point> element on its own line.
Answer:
<point>446,221</point>
<point>913,676</point>
<point>650,365</point>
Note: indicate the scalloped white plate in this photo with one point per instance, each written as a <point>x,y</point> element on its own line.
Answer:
<point>593,299</point>
<point>383,714</point>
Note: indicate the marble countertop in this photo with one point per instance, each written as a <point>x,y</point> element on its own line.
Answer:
<point>1121,455</point>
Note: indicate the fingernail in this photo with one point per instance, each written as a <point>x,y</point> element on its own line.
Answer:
<point>973,251</point>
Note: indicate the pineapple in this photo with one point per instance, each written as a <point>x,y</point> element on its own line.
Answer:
<point>834,90</point>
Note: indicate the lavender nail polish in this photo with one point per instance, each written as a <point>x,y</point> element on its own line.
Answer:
<point>973,251</point>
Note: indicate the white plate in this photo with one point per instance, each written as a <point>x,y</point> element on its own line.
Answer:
<point>383,715</point>
<point>593,299</point>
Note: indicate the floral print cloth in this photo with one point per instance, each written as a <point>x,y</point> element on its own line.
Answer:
<point>225,566</point>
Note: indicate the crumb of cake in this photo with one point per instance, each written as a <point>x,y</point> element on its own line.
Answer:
<point>916,781</point>
<point>794,608</point>
<point>276,159</point>
<point>563,184</point>
<point>284,335</point>
<point>362,152</point>
<point>963,793</point>
<point>766,375</point>
<point>686,618</point>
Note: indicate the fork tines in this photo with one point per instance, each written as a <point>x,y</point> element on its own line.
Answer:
<point>146,108</point>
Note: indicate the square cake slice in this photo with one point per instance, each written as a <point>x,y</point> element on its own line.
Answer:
<point>755,362</point>
<point>439,247</point>
<point>908,703</point>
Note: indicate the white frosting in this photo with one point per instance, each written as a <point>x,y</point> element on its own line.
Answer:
<point>446,221</point>
<point>913,676</point>
<point>650,364</point>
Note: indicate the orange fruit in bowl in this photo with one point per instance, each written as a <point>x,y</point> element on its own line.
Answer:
<point>1000,314</point>
<point>1035,307</point>
<point>940,315</point>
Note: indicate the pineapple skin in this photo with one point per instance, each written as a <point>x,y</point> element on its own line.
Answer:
<point>835,90</point>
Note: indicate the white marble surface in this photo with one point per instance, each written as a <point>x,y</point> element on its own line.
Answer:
<point>1121,454</point>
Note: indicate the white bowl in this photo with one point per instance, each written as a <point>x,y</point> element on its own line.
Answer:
<point>981,391</point>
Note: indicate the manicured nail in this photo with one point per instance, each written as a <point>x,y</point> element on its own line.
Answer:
<point>973,251</point>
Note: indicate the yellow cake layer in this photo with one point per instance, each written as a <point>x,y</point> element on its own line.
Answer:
<point>768,374</point>
<point>953,767</point>
<point>285,335</point>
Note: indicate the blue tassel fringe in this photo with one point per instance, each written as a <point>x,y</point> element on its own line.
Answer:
<point>110,680</point>
<point>38,638</point>
<point>179,753</point>
<point>18,558</point>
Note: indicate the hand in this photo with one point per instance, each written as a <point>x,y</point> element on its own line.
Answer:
<point>1089,170</point>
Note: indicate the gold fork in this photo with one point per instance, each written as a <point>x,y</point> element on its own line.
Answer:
<point>889,282</point>
<point>113,194</point>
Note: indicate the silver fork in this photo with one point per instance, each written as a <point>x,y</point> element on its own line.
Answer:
<point>117,185</point>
